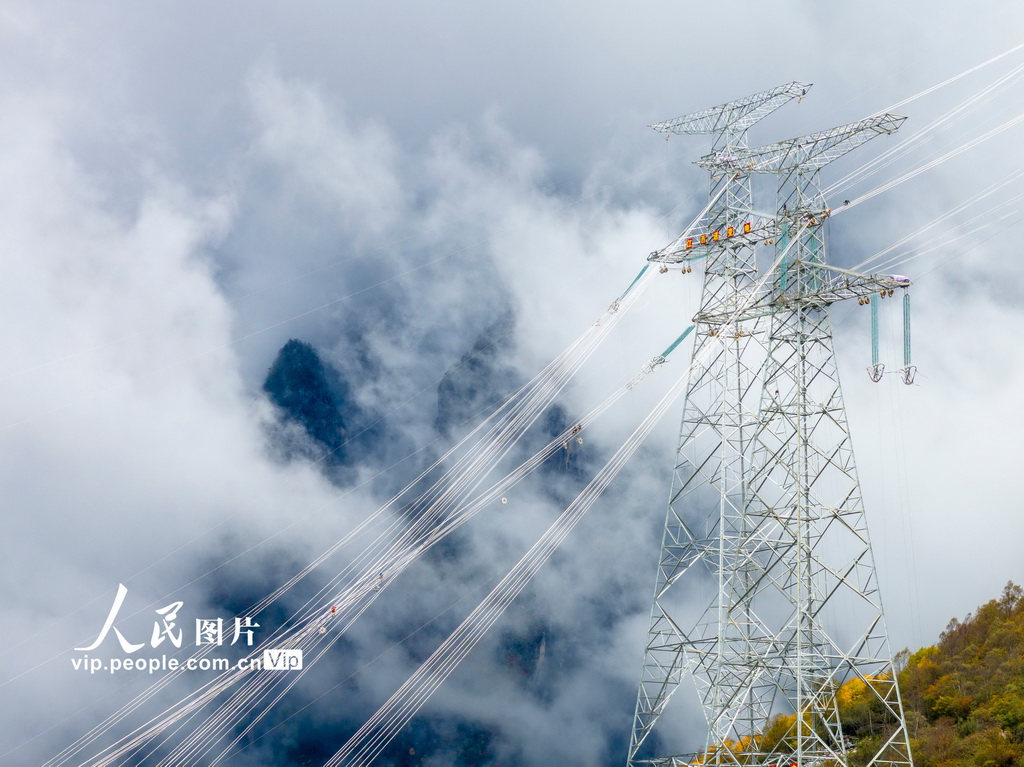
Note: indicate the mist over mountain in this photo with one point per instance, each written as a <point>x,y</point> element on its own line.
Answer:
<point>479,381</point>
<point>297,383</point>
<point>318,421</point>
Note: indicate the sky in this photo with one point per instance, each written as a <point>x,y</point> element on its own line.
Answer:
<point>189,185</point>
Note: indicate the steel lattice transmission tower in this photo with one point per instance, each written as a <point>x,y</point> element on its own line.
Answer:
<point>765,532</point>
<point>715,432</point>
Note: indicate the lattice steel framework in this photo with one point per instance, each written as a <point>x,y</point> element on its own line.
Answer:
<point>716,430</point>
<point>766,511</point>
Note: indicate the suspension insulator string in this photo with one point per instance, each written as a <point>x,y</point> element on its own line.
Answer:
<point>909,371</point>
<point>877,369</point>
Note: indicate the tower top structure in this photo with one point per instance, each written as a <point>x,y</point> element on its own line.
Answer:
<point>810,152</point>
<point>734,117</point>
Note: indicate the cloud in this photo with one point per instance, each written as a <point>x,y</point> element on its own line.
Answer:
<point>350,171</point>
<point>129,441</point>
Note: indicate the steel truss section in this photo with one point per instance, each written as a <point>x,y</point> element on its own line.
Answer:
<point>805,154</point>
<point>766,515</point>
<point>829,285</point>
<point>716,240</point>
<point>734,117</point>
<point>715,429</point>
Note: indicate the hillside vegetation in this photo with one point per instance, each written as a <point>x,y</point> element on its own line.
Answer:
<point>963,697</point>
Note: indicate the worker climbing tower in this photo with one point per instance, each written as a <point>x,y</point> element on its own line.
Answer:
<point>769,524</point>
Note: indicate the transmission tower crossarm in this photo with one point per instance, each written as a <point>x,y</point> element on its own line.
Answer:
<point>735,115</point>
<point>759,228</point>
<point>838,284</point>
<point>809,152</point>
<point>833,284</point>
